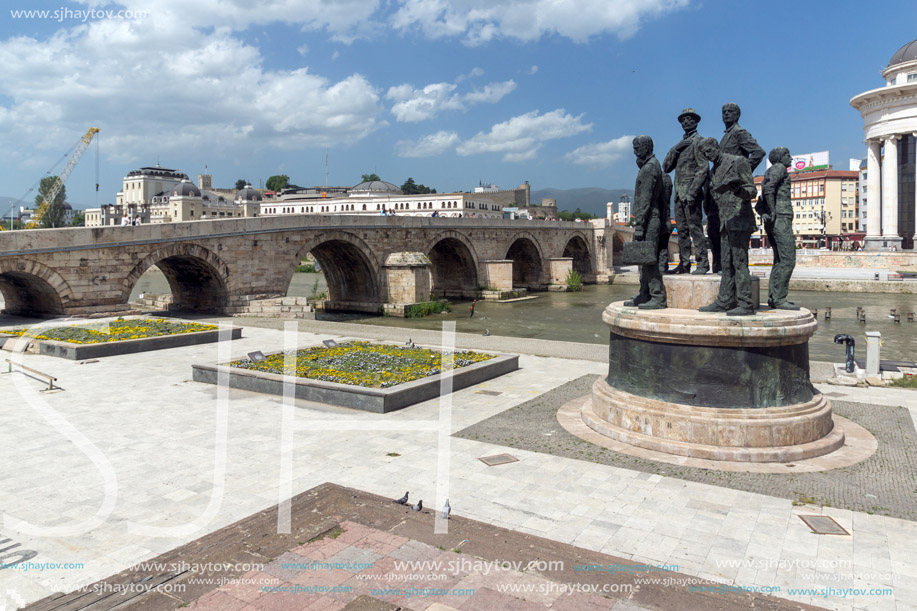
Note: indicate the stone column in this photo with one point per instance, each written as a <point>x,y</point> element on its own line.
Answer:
<point>499,274</point>
<point>890,193</point>
<point>560,267</point>
<point>408,279</point>
<point>873,190</point>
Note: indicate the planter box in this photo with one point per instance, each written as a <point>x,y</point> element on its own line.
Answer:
<point>378,400</point>
<point>79,352</point>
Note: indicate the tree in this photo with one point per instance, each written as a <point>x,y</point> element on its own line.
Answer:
<point>240,184</point>
<point>411,188</point>
<point>54,215</point>
<point>79,219</point>
<point>565,215</point>
<point>277,183</point>
<point>370,177</point>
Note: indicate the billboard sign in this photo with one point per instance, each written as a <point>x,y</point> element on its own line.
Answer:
<point>809,162</point>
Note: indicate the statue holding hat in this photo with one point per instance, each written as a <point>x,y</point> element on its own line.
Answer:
<point>690,176</point>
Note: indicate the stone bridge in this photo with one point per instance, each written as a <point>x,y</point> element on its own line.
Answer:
<point>226,266</point>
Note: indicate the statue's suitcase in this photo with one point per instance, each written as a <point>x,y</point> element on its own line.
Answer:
<point>639,253</point>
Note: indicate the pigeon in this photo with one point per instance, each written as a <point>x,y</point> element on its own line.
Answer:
<point>486,332</point>
<point>409,343</point>
<point>418,506</point>
<point>446,511</point>
<point>403,500</point>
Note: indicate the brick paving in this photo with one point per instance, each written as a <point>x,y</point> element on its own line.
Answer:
<point>370,554</point>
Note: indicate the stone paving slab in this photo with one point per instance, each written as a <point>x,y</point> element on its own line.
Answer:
<point>353,551</point>
<point>157,442</point>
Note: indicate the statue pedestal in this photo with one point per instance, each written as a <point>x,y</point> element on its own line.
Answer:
<point>712,386</point>
<point>692,292</point>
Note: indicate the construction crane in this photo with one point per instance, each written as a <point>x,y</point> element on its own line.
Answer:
<point>50,196</point>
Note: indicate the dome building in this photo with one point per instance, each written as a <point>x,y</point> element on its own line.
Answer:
<point>890,126</point>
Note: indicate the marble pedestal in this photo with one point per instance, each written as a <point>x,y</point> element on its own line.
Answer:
<point>691,292</point>
<point>712,386</point>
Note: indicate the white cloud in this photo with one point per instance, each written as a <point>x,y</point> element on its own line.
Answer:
<point>428,146</point>
<point>302,49</point>
<point>344,19</point>
<point>154,87</point>
<point>475,72</point>
<point>479,21</point>
<point>601,153</point>
<point>413,105</point>
<point>520,137</point>
<point>533,70</point>
<point>491,93</point>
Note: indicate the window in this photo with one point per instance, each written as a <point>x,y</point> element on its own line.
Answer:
<point>911,78</point>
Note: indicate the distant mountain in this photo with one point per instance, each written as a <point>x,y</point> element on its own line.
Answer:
<point>587,199</point>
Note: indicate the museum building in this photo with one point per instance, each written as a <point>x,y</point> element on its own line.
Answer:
<point>890,126</point>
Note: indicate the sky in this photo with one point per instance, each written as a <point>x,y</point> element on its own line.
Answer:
<point>448,92</point>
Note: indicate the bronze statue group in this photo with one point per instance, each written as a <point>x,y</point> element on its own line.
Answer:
<point>724,193</point>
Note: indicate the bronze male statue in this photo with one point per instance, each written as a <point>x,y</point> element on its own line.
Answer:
<point>733,189</point>
<point>690,176</point>
<point>651,210</point>
<point>666,236</point>
<point>736,141</point>
<point>777,216</point>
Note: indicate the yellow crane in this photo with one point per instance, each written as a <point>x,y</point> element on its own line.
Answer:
<point>81,147</point>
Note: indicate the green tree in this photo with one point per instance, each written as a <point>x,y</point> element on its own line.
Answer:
<point>79,219</point>
<point>54,215</point>
<point>411,188</point>
<point>277,183</point>
<point>240,184</point>
<point>565,215</point>
<point>370,177</point>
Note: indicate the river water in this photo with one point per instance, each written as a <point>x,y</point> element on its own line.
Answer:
<point>577,317</point>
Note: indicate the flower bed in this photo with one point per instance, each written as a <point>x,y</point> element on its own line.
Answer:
<point>121,336</point>
<point>363,363</point>
<point>372,377</point>
<point>116,331</point>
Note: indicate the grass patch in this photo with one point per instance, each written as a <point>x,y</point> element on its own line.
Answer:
<point>115,331</point>
<point>306,268</point>
<point>574,281</point>
<point>363,364</point>
<point>908,381</point>
<point>425,308</point>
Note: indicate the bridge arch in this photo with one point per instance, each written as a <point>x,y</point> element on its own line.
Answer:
<point>453,264</point>
<point>351,270</point>
<point>29,288</point>
<point>578,248</point>
<point>528,260</point>
<point>199,279</point>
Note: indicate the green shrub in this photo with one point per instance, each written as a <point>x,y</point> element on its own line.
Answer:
<point>574,281</point>
<point>306,268</point>
<point>425,308</point>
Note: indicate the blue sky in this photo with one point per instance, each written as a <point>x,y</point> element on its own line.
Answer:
<point>449,92</point>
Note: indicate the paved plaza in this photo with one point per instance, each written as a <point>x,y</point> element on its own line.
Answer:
<point>133,459</point>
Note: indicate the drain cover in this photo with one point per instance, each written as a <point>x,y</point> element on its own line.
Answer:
<point>490,393</point>
<point>498,459</point>
<point>823,525</point>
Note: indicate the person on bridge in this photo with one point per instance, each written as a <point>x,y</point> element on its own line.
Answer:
<point>651,214</point>
<point>690,176</point>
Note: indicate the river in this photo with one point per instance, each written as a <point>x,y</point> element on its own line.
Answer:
<point>577,317</point>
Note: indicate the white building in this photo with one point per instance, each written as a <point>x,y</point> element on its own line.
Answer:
<point>890,125</point>
<point>377,197</point>
<point>159,195</point>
